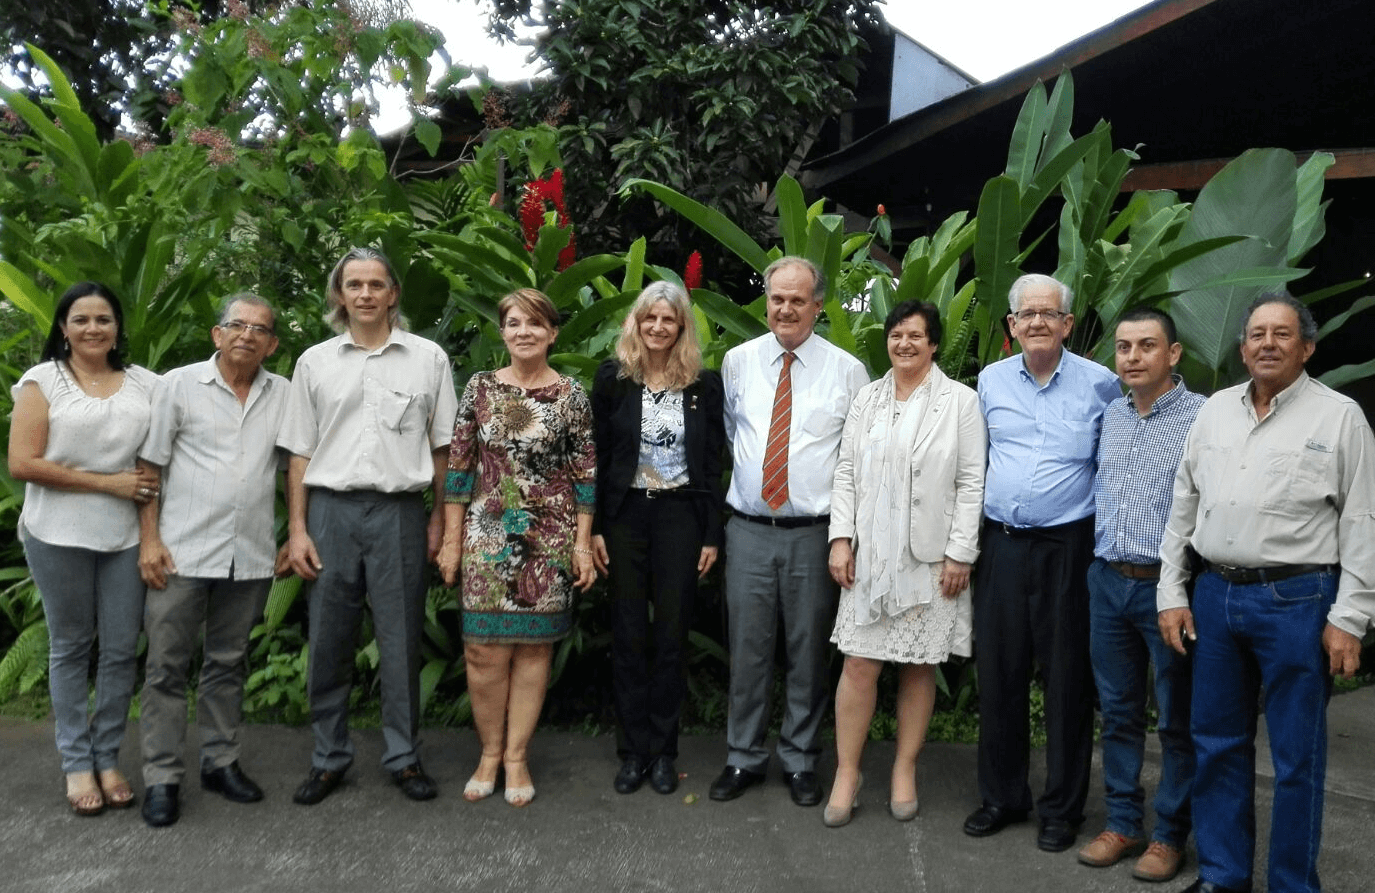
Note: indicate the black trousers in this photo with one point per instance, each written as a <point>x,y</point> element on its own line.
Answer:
<point>1031,603</point>
<point>654,544</point>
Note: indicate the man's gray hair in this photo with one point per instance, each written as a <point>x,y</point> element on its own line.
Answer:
<point>792,260</point>
<point>1014,294</point>
<point>1308,327</point>
<point>249,298</point>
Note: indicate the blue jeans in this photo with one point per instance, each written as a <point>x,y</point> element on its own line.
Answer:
<point>1124,639</point>
<point>1252,636</point>
<point>88,594</point>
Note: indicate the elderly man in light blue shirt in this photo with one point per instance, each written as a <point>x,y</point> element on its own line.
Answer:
<point>207,552</point>
<point>1043,410</point>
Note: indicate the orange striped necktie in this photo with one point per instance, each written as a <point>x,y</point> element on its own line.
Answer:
<point>775,489</point>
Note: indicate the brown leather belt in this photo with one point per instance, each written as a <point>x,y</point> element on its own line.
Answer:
<point>1251,575</point>
<point>1136,571</point>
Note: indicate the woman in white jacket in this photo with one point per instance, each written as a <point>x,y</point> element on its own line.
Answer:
<point>905,513</point>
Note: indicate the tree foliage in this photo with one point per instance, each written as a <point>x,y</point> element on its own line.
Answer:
<point>120,56</point>
<point>712,98</point>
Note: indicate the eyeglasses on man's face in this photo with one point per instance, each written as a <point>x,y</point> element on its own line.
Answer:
<point>1025,316</point>
<point>239,327</point>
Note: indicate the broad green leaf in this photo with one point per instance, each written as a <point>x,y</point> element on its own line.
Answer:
<point>709,220</point>
<point>563,287</point>
<point>792,214</point>
<point>731,317</point>
<point>428,134</point>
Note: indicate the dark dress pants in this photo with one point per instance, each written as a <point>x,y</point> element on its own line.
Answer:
<point>1031,603</point>
<point>372,546</point>
<point>654,544</point>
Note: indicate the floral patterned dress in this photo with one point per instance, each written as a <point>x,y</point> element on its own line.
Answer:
<point>523,461</point>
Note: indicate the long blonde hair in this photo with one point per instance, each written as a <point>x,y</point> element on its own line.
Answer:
<point>684,358</point>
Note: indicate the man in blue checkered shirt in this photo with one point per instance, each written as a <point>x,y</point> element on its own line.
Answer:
<point>1139,448</point>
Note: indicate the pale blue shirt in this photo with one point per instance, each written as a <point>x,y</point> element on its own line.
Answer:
<point>1043,439</point>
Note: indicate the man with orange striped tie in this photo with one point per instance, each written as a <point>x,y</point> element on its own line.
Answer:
<point>787,395</point>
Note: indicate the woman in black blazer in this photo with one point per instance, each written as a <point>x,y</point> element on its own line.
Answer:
<point>659,434</point>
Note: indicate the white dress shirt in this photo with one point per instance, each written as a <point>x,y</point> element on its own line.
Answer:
<point>825,380</point>
<point>370,419</point>
<point>219,470</point>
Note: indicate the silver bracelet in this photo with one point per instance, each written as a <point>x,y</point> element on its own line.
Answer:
<point>582,551</point>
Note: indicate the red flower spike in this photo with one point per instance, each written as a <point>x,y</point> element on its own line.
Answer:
<point>692,275</point>
<point>568,254</point>
<point>531,215</point>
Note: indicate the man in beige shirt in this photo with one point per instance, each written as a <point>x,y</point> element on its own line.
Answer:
<point>368,424</point>
<point>1276,493</point>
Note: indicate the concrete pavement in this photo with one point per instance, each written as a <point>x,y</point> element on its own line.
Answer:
<point>580,835</point>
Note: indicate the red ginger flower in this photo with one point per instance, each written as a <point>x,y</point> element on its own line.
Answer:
<point>692,274</point>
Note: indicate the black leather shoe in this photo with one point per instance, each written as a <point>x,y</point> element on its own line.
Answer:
<point>160,805</point>
<point>989,820</point>
<point>1057,835</point>
<point>631,776</point>
<point>414,783</point>
<point>804,787</point>
<point>319,785</point>
<point>732,782</point>
<point>1202,886</point>
<point>663,775</point>
<point>232,783</point>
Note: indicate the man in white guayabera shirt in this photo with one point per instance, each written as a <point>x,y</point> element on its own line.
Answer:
<point>206,552</point>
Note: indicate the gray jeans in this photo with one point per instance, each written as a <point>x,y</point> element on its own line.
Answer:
<point>173,618</point>
<point>88,594</point>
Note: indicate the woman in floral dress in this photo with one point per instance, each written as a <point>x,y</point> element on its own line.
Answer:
<point>519,502</point>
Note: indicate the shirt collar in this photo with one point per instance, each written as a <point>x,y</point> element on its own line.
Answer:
<point>1280,399</point>
<point>1026,373</point>
<point>806,351</point>
<point>210,374</point>
<point>1165,400</point>
<point>395,338</point>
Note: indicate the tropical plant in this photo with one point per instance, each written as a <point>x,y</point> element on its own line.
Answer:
<point>709,97</point>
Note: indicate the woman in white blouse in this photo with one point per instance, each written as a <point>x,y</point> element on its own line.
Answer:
<point>904,530</point>
<point>79,419</point>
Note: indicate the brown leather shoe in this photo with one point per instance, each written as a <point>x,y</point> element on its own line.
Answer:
<point>1160,862</point>
<point>1108,848</point>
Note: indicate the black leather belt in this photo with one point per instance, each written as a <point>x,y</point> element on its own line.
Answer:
<point>787,523</point>
<point>1055,531</point>
<point>1250,575</point>
<point>1136,571</point>
<point>665,492</point>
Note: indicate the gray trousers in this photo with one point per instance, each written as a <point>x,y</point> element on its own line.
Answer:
<point>85,594</point>
<point>775,575</point>
<point>173,618</point>
<point>373,547</point>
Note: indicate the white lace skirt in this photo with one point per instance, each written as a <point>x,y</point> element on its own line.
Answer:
<point>923,634</point>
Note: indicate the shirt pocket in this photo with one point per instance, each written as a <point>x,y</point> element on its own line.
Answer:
<point>826,420</point>
<point>1078,438</point>
<point>402,412</point>
<point>1297,482</point>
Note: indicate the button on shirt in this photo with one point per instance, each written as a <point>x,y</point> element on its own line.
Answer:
<point>1043,439</point>
<point>1137,458</point>
<point>370,419</point>
<point>220,464</point>
<point>825,380</point>
<point>1297,487</point>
